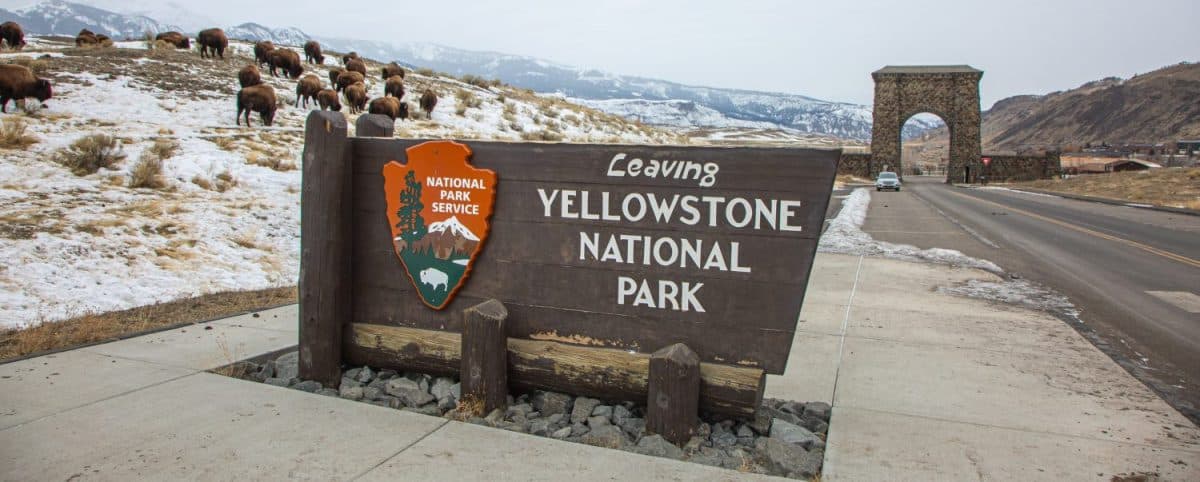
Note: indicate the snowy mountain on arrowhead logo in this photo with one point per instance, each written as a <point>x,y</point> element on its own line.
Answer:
<point>454,227</point>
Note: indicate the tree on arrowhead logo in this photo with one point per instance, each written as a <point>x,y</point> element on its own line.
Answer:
<point>438,210</point>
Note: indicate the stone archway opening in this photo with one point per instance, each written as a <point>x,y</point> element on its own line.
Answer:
<point>923,150</point>
<point>949,91</point>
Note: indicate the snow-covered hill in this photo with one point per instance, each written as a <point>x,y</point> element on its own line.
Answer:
<point>454,228</point>
<point>66,18</point>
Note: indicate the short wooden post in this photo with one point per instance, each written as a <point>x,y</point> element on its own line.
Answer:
<point>674,393</point>
<point>485,355</point>
<point>374,125</point>
<point>324,247</point>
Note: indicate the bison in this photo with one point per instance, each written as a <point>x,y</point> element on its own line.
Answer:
<point>347,78</point>
<point>394,86</point>
<point>307,88</point>
<point>333,75</point>
<point>348,57</point>
<point>261,49</point>
<point>312,52</point>
<point>286,60</point>
<point>214,40</point>
<point>357,65</point>
<point>258,98</point>
<point>103,40</point>
<point>86,38</point>
<point>392,69</point>
<point>12,34</point>
<point>356,97</point>
<point>429,101</point>
<point>389,106</point>
<point>17,82</point>
<point>180,41</point>
<point>328,99</point>
<point>249,75</point>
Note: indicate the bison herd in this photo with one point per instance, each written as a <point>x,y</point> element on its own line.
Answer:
<point>18,82</point>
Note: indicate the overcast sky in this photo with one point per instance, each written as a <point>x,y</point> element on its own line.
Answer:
<point>824,49</point>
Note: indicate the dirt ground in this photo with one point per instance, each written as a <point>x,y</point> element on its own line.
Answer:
<point>1172,187</point>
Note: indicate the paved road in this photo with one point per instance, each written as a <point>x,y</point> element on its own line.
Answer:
<point>1133,273</point>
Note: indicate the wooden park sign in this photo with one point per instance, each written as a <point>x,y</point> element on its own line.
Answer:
<point>601,255</point>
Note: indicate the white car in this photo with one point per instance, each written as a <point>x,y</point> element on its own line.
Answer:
<point>887,180</point>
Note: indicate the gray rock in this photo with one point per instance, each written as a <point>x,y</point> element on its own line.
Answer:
<point>602,411</point>
<point>308,386</point>
<point>793,434</point>
<point>556,419</point>
<point>441,388</point>
<point>534,414</point>
<point>745,431</point>
<point>446,403</point>
<point>540,426</point>
<point>365,375</point>
<point>396,403</point>
<point>477,421</point>
<point>379,383</point>
<point>788,458</point>
<point>814,425</point>
<point>583,409</point>
<point>635,427</point>
<point>707,456</point>
<point>514,427</point>
<point>351,373</point>
<point>704,430</point>
<point>693,444</point>
<point>351,392</point>
<point>372,393</point>
<point>550,403</point>
<point>762,422</point>
<point>724,439</point>
<point>349,382</point>
<point>456,391</point>
<point>820,410</point>
<point>328,392</point>
<point>288,365</point>
<point>620,414</point>
<point>381,403</point>
<point>562,433</point>
<point>594,422</point>
<point>659,447</point>
<point>609,436</point>
<point>388,401</point>
<point>267,370</point>
<point>430,409</point>
<point>521,409</point>
<point>794,408</point>
<point>386,375</point>
<point>409,391</point>
<point>495,416</point>
<point>279,382</point>
<point>579,429</point>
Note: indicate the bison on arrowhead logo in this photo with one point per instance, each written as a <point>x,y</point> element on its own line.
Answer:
<point>438,210</point>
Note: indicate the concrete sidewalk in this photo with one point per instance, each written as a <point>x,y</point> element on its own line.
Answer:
<point>925,386</point>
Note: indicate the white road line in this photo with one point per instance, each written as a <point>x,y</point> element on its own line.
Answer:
<point>837,372</point>
<point>1185,300</point>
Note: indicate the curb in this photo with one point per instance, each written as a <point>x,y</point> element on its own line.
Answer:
<point>1101,200</point>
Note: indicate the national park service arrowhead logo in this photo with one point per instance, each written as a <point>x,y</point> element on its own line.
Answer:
<point>438,209</point>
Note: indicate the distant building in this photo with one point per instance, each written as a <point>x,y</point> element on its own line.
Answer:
<point>1121,165</point>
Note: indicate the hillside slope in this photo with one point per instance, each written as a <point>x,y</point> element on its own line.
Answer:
<point>1158,106</point>
<point>226,216</point>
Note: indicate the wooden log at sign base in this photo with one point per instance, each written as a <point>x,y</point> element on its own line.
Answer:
<point>374,125</point>
<point>605,373</point>
<point>484,355</point>
<point>674,398</point>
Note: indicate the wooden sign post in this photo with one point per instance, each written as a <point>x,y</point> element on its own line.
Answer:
<point>600,254</point>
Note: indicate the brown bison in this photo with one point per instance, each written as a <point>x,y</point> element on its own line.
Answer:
<point>257,98</point>
<point>389,106</point>
<point>333,75</point>
<point>429,101</point>
<point>249,75</point>
<point>103,40</point>
<point>312,52</point>
<point>394,87</point>
<point>261,49</point>
<point>286,60</point>
<point>12,34</point>
<point>307,88</point>
<point>348,57</point>
<point>392,69</point>
<point>212,41</point>
<point>348,78</point>
<point>356,97</point>
<point>180,41</point>
<point>17,82</point>
<point>86,38</point>
<point>357,65</point>
<point>328,99</point>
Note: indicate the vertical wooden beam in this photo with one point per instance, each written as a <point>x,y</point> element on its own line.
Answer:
<point>374,125</point>
<point>485,355</point>
<point>674,393</point>
<point>325,298</point>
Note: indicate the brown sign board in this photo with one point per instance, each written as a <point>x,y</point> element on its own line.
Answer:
<point>586,248</point>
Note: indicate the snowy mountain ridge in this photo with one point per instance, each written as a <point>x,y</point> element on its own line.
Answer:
<point>454,227</point>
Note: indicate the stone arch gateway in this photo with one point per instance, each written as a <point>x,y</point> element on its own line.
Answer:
<point>949,91</point>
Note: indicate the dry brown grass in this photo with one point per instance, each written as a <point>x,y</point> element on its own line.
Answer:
<point>271,159</point>
<point>164,147</point>
<point>1173,187</point>
<point>467,407</point>
<point>90,153</point>
<point>94,327</point>
<point>147,173</point>
<point>13,134</point>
